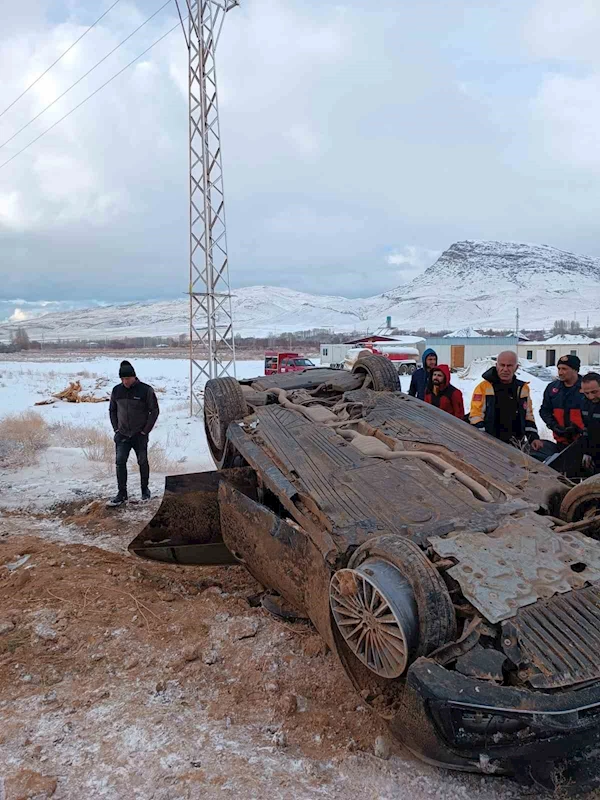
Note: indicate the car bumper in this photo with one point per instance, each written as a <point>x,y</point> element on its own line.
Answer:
<point>547,739</point>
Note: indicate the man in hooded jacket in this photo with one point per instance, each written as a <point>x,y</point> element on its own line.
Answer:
<point>133,413</point>
<point>420,378</point>
<point>501,405</point>
<point>442,394</point>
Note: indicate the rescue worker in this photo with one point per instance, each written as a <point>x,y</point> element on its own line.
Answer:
<point>590,413</point>
<point>501,405</point>
<point>133,412</point>
<point>563,401</point>
<point>441,394</point>
<point>420,377</point>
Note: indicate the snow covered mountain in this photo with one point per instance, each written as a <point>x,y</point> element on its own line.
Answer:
<point>481,284</point>
<point>476,284</point>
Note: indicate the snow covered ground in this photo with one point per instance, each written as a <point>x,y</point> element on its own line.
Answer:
<point>64,473</point>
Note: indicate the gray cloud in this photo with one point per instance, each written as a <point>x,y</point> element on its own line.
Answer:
<point>359,140</point>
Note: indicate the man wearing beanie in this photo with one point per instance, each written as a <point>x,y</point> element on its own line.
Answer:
<point>133,413</point>
<point>563,402</point>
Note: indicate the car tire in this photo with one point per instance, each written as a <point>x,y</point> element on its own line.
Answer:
<point>224,403</point>
<point>581,500</point>
<point>379,372</point>
<point>437,617</point>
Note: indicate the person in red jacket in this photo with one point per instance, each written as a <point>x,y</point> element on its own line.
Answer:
<point>442,394</point>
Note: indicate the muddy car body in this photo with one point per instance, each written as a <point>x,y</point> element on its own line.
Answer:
<point>449,572</point>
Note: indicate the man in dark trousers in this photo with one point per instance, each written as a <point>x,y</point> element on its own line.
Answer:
<point>420,378</point>
<point>563,401</point>
<point>133,412</point>
<point>590,412</point>
<point>501,405</point>
<point>442,394</point>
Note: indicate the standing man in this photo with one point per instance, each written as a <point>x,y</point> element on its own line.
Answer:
<point>442,394</point>
<point>590,412</point>
<point>501,405</point>
<point>133,412</point>
<point>420,378</point>
<point>563,401</point>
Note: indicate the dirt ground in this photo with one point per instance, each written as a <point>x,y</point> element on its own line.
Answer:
<point>122,678</point>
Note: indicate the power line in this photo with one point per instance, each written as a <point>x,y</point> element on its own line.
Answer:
<point>54,63</point>
<point>68,114</point>
<point>72,86</point>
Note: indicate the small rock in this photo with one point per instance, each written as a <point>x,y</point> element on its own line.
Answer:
<point>97,656</point>
<point>222,617</point>
<point>6,625</point>
<point>243,628</point>
<point>211,657</point>
<point>301,703</point>
<point>191,653</point>
<point>382,748</point>
<point>271,687</point>
<point>279,739</point>
<point>289,704</point>
<point>161,687</point>
<point>45,632</point>
<point>131,663</point>
<point>49,697</point>
<point>28,784</point>
<point>26,678</point>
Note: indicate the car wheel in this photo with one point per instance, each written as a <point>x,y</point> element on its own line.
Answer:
<point>388,607</point>
<point>223,404</point>
<point>582,500</point>
<point>380,374</point>
<point>412,368</point>
<point>402,369</point>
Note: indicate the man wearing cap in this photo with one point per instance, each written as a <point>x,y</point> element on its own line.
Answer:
<point>563,402</point>
<point>133,413</point>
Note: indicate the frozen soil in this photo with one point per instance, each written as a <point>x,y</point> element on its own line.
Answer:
<point>121,678</point>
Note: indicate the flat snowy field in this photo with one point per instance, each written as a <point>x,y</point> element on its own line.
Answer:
<point>65,473</point>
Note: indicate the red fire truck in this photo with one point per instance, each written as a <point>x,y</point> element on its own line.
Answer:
<point>285,362</point>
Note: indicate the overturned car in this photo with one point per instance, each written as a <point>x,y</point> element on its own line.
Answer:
<point>457,579</point>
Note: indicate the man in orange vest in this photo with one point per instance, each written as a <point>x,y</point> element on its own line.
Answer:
<point>563,401</point>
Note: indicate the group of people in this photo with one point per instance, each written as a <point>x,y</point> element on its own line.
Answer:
<point>501,404</point>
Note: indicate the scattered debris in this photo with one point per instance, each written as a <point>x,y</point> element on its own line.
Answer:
<point>73,394</point>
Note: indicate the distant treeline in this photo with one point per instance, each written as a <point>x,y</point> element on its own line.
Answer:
<point>301,341</point>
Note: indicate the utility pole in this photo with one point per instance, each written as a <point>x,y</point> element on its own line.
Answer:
<point>517,324</point>
<point>212,345</point>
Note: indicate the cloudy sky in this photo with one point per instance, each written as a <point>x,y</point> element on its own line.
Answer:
<point>360,139</point>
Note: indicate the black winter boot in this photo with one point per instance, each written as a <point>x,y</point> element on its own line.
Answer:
<point>119,500</point>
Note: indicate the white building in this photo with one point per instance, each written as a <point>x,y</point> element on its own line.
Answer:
<point>459,351</point>
<point>549,351</point>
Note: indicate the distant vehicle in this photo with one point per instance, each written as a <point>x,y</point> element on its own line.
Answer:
<point>404,359</point>
<point>276,362</point>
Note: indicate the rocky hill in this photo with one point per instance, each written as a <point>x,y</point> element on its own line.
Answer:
<point>473,283</point>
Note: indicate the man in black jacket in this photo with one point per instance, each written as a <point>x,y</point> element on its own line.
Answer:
<point>590,412</point>
<point>563,401</point>
<point>133,413</point>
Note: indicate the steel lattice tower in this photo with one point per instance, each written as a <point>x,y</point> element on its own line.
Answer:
<point>212,347</point>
